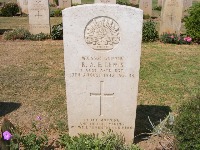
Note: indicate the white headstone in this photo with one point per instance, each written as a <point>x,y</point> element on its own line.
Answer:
<point>65,3</point>
<point>146,6</point>
<point>159,3</point>
<point>39,16</point>
<point>106,1</point>
<point>23,5</point>
<point>102,50</point>
<point>187,4</point>
<point>171,16</point>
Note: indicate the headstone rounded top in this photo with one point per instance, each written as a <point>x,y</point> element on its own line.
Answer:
<point>103,5</point>
<point>102,33</point>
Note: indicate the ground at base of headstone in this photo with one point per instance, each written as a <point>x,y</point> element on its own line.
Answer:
<point>169,74</point>
<point>161,142</point>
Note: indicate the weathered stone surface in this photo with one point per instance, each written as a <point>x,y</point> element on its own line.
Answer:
<point>171,15</point>
<point>146,6</point>
<point>159,3</point>
<point>102,59</point>
<point>187,4</point>
<point>65,3</point>
<point>39,16</point>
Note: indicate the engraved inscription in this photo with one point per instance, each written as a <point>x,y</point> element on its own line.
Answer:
<point>99,66</point>
<point>101,94</point>
<point>102,33</point>
<point>103,124</point>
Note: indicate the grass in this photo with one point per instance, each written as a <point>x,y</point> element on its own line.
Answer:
<point>15,22</point>
<point>32,75</point>
<point>169,73</point>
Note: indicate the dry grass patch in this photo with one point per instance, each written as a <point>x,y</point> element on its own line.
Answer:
<point>32,75</point>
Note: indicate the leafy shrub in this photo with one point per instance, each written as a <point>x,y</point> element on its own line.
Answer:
<point>58,13</point>
<point>5,140</point>
<point>52,13</point>
<point>121,2</point>
<point>149,32</point>
<point>57,32</point>
<point>10,9</point>
<point>159,8</point>
<point>23,34</point>
<point>109,141</point>
<point>18,33</point>
<point>172,38</point>
<point>38,37</point>
<point>34,142</point>
<point>187,125</point>
<point>192,22</point>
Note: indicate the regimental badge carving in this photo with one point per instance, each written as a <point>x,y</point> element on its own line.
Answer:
<point>102,33</point>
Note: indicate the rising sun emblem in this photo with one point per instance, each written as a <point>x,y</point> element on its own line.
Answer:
<point>102,33</point>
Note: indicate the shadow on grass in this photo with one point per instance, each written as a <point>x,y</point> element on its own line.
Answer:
<point>142,124</point>
<point>4,30</point>
<point>7,107</point>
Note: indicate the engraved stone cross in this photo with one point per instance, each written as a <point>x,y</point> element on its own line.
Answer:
<point>101,94</point>
<point>171,16</point>
<point>38,14</point>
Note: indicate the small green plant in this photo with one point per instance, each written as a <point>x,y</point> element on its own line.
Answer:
<point>173,38</point>
<point>121,2</point>
<point>58,12</point>
<point>57,32</point>
<point>159,8</point>
<point>10,9</point>
<point>23,34</point>
<point>164,127</point>
<point>149,32</point>
<point>187,125</point>
<point>52,13</point>
<point>109,141</point>
<point>6,136</point>
<point>34,142</point>
<point>18,33</point>
<point>192,22</point>
<point>39,37</point>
